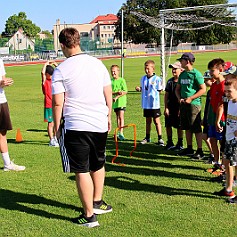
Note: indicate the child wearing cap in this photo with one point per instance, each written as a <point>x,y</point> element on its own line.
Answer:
<point>171,112</point>
<point>230,150</point>
<point>46,75</point>
<point>208,81</point>
<point>189,89</point>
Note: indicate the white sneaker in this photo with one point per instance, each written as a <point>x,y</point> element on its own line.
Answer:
<point>13,167</point>
<point>53,142</point>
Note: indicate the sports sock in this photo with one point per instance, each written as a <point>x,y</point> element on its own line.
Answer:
<point>97,202</point>
<point>180,141</point>
<point>159,137</point>
<point>148,136</point>
<point>6,158</point>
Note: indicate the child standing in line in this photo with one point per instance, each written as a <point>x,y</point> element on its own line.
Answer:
<point>119,88</point>
<point>208,81</point>
<point>46,75</point>
<point>172,118</point>
<point>230,151</point>
<point>150,86</point>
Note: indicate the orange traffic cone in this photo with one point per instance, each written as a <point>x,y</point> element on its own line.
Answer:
<point>18,136</point>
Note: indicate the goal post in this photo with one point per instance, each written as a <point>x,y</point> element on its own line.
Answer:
<point>174,19</point>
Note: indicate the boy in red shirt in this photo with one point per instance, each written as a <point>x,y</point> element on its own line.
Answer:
<point>46,75</point>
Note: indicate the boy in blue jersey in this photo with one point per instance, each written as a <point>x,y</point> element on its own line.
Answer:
<point>150,86</point>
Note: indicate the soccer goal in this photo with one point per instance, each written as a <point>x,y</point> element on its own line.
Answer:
<point>189,18</point>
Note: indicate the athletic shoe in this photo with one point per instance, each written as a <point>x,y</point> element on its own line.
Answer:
<point>13,167</point>
<point>169,146</point>
<point>233,200</point>
<point>198,155</point>
<point>186,152</point>
<point>121,137</point>
<point>82,220</point>
<point>216,170</point>
<point>177,148</point>
<point>161,142</point>
<point>225,193</point>
<point>53,142</point>
<point>209,159</point>
<point>145,141</point>
<point>101,208</point>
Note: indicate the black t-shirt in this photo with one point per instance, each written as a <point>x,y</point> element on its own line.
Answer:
<point>173,102</point>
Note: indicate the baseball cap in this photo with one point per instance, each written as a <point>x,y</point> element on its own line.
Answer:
<point>187,56</point>
<point>228,65</point>
<point>207,74</point>
<point>175,65</point>
<point>232,70</point>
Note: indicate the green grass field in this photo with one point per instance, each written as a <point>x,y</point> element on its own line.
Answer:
<point>155,194</point>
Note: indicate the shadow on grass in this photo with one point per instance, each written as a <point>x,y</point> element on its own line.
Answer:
<point>152,172</point>
<point>125,183</point>
<point>36,130</point>
<point>12,200</point>
<point>28,142</point>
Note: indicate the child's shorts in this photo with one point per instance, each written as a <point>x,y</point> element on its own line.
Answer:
<point>48,115</point>
<point>213,133</point>
<point>119,109</point>
<point>190,117</point>
<point>151,113</point>
<point>231,151</point>
<point>5,120</point>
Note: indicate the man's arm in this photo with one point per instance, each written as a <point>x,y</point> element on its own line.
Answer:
<point>58,101</point>
<point>108,99</point>
<point>177,91</point>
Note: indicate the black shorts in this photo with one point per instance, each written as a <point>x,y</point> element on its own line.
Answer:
<point>173,120</point>
<point>5,121</point>
<point>151,113</point>
<point>190,116</point>
<point>81,151</point>
<point>119,109</point>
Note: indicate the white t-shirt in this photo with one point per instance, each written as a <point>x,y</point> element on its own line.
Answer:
<point>231,121</point>
<point>83,79</point>
<point>3,98</point>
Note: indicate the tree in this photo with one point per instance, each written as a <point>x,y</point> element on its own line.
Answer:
<point>138,31</point>
<point>15,22</point>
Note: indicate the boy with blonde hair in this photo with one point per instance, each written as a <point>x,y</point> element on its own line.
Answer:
<point>120,90</point>
<point>150,87</point>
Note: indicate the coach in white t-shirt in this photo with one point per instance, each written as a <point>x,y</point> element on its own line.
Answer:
<point>82,96</point>
<point>5,122</point>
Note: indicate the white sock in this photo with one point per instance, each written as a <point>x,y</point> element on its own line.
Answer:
<point>6,158</point>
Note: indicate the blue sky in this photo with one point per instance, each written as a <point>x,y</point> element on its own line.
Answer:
<point>44,13</point>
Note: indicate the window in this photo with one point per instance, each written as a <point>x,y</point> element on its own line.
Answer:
<point>102,35</point>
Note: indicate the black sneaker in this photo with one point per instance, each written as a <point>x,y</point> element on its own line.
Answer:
<point>169,146</point>
<point>198,155</point>
<point>177,148</point>
<point>82,220</point>
<point>101,208</point>
<point>186,152</point>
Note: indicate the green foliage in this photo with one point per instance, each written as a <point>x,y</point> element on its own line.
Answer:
<point>155,194</point>
<point>44,44</point>
<point>139,31</point>
<point>15,22</point>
